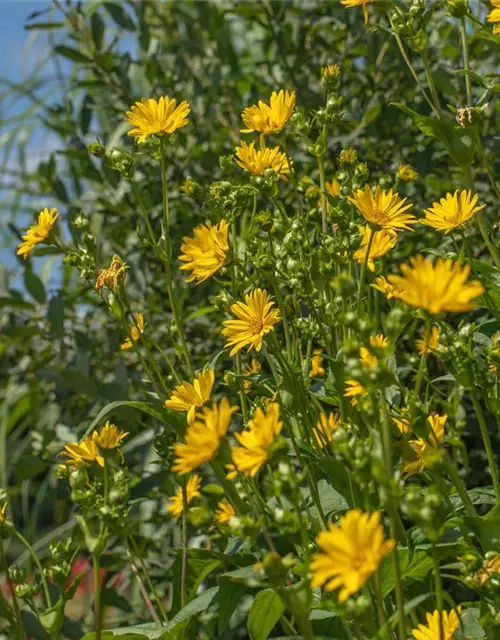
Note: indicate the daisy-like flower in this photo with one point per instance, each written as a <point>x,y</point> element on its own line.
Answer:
<point>490,568</point>
<point>385,287</point>
<point>383,241</point>
<point>80,454</point>
<point>383,208</point>
<point>402,422</point>
<point>437,287</point>
<point>203,437</point>
<point>424,451</point>
<point>256,440</point>
<point>358,3</point>
<point>37,233</point>
<point>224,511</point>
<point>452,211</point>
<point>205,253</point>
<point>160,117</point>
<point>187,396</point>
<point>354,388</point>
<point>269,118</point>
<point>257,161</point>
<point>379,341</point>
<point>109,436</point>
<point>406,173</point>
<point>494,16</point>
<point>256,317</point>
<point>176,506</point>
<point>136,330</point>
<point>327,424</point>
<point>429,344</point>
<point>112,275</point>
<point>251,369</point>
<point>440,626</point>
<point>317,368</point>
<point>350,553</point>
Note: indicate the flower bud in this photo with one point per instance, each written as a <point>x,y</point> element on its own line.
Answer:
<point>457,8</point>
<point>96,149</point>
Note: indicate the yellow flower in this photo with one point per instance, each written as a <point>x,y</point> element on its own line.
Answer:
<point>383,208</point>
<point>176,506</point>
<point>187,396</point>
<point>3,513</point>
<point>490,568</point>
<point>430,344</point>
<point>232,472</point>
<point>317,368</point>
<point>251,369</point>
<point>109,437</point>
<point>256,440</point>
<point>333,188</point>
<point>367,358</point>
<point>385,287</point>
<point>351,553</point>
<point>407,173</point>
<point>494,16</point>
<point>82,453</point>
<point>423,451</point>
<point>383,241</point>
<point>354,388</point>
<point>348,156</point>
<point>452,211</point>
<point>160,117</point>
<point>402,422</point>
<point>205,253</point>
<point>203,437</point>
<point>436,287</point>
<point>38,232</point>
<point>330,71</point>
<point>440,626</point>
<point>358,3</point>
<point>112,275</point>
<point>224,511</point>
<point>269,118</point>
<point>255,318</point>
<point>324,429</point>
<point>256,161</point>
<point>379,341</point>
<point>136,330</point>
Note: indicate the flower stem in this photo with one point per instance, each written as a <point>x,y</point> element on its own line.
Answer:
<point>321,168</point>
<point>36,560</point>
<point>362,275</point>
<point>152,589</point>
<point>432,86</point>
<point>184,546</point>
<point>423,359</point>
<point>439,591</point>
<point>461,490</point>
<point>465,51</point>
<point>96,563</point>
<point>414,73</point>
<point>487,442</point>
<point>15,604</point>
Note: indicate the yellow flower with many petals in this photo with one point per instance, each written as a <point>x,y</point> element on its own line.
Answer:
<point>136,330</point>
<point>83,453</point>
<point>37,233</point>
<point>257,161</point>
<point>255,318</point>
<point>384,209</point>
<point>440,626</point>
<point>205,253</point>
<point>385,287</point>
<point>494,15</point>
<point>109,436</point>
<point>383,241</point>
<point>406,173</point>
<point>203,437</point>
<point>350,553</point>
<point>251,369</point>
<point>325,427</point>
<point>256,440</point>
<point>437,287</point>
<point>156,117</point>
<point>452,211</point>
<point>358,3</point>
<point>423,452</point>
<point>187,396</point>
<point>317,368</point>
<point>224,511</point>
<point>430,344</point>
<point>354,389</point>
<point>269,118</point>
<point>111,276</point>
<point>176,506</point>
<point>402,422</point>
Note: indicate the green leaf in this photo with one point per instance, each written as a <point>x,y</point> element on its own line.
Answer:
<point>44,26</point>
<point>230,593</point>
<point>34,286</point>
<point>71,54</point>
<point>196,606</point>
<point>120,16</point>
<point>470,628</point>
<point>200,564</point>
<point>265,612</point>
<point>16,303</point>
<point>97,27</point>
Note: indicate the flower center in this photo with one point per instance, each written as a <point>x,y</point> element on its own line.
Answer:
<point>256,326</point>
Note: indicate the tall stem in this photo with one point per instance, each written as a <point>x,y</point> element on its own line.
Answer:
<point>322,182</point>
<point>96,563</point>
<point>439,591</point>
<point>487,442</point>
<point>423,359</point>
<point>36,560</point>
<point>465,51</point>
<point>362,275</point>
<point>469,507</point>
<point>15,604</point>
<point>414,73</point>
<point>148,579</point>
<point>184,546</point>
<point>432,86</point>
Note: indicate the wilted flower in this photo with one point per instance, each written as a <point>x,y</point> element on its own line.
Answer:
<point>452,211</point>
<point>429,344</point>
<point>160,117</point>
<point>440,626</point>
<point>383,208</point>
<point>494,16</point>
<point>136,331</point>
<point>436,287</point>
<point>350,553</point>
<point>37,233</point>
<point>383,241</point>
<point>112,275</point>
<point>256,161</point>
<point>224,511</point>
<point>187,396</point>
<point>255,318</point>
<point>251,369</point>
<point>176,506</point>
<point>325,427</point>
<point>406,173</point>
<point>490,568</point>
<point>256,440</point>
<point>317,368</point>
<point>272,117</point>
<point>205,253</point>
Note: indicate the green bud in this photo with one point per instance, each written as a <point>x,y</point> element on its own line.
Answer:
<point>457,8</point>
<point>96,149</point>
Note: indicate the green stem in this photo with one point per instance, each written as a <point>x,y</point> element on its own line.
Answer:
<point>461,490</point>
<point>150,584</point>
<point>234,278</point>
<point>96,562</point>
<point>423,359</point>
<point>324,204</point>
<point>439,591</point>
<point>184,546</point>
<point>145,215</point>
<point>380,602</point>
<point>432,86</point>
<point>414,73</point>
<point>15,604</point>
<point>36,560</point>
<point>465,51</point>
<point>487,442</point>
<point>362,275</point>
